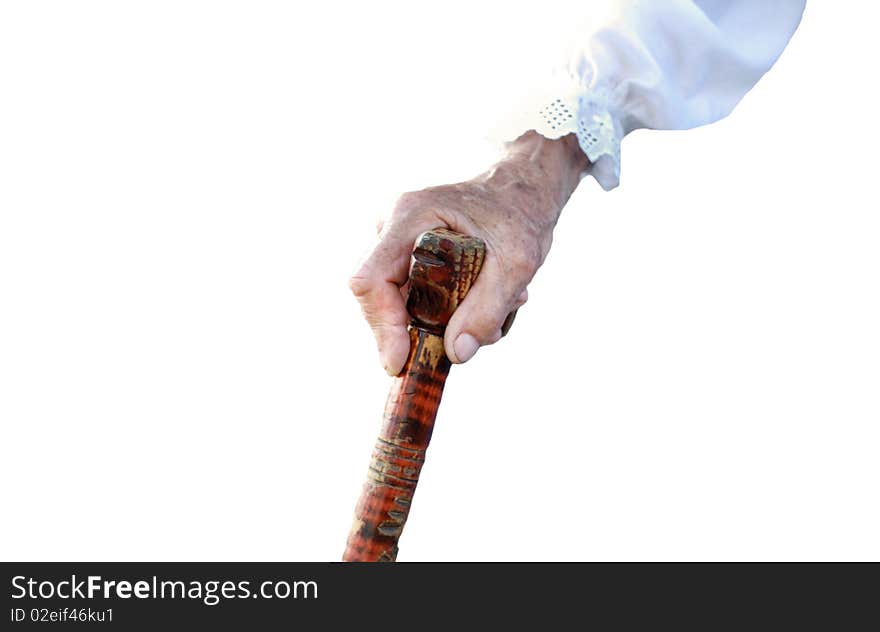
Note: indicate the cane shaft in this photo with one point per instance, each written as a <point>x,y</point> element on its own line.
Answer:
<point>444,266</point>
<point>399,452</point>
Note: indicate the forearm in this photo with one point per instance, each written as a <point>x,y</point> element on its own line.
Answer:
<point>655,65</point>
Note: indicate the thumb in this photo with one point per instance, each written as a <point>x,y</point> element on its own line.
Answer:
<point>477,321</point>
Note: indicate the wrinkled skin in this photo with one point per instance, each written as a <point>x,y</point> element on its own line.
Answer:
<point>513,207</point>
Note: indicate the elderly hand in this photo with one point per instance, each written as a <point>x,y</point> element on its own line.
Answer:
<point>513,207</point>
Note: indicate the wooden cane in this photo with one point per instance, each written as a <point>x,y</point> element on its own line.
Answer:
<point>444,266</point>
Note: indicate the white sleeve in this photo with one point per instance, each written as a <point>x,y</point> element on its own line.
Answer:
<point>663,64</point>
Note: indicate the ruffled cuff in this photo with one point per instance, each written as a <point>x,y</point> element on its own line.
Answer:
<point>583,112</point>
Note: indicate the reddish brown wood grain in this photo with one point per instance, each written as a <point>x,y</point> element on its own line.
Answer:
<point>399,451</point>
<point>444,266</point>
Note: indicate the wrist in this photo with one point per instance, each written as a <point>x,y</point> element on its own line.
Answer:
<point>560,158</point>
<point>550,168</point>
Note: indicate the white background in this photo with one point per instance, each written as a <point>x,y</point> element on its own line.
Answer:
<point>185,188</point>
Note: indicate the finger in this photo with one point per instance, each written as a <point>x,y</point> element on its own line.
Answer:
<point>478,320</point>
<point>377,287</point>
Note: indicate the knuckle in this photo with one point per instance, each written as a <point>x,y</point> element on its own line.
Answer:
<point>405,198</point>
<point>360,286</point>
<point>408,203</point>
<point>416,205</point>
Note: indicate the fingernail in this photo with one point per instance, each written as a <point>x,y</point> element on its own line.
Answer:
<point>465,347</point>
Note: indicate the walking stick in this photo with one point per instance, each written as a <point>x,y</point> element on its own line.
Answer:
<point>444,266</point>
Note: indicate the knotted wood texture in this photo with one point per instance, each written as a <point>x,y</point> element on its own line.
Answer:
<point>444,266</point>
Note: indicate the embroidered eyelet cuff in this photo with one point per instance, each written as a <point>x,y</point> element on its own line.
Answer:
<point>585,114</point>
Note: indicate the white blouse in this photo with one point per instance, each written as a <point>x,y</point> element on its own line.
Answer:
<point>660,64</point>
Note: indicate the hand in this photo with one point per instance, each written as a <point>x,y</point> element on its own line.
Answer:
<point>513,207</point>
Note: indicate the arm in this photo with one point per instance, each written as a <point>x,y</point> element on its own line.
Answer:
<point>662,65</point>
<point>670,64</point>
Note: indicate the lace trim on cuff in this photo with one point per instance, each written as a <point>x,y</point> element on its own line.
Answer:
<point>589,118</point>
